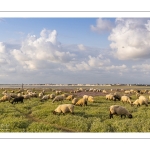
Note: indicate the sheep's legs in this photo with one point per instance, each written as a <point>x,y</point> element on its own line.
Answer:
<point>111,115</point>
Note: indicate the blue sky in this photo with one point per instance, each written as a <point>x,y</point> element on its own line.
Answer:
<point>74,50</point>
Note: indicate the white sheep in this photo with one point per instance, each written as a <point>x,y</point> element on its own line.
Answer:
<point>41,94</point>
<point>64,108</point>
<point>110,97</point>
<point>90,99</point>
<point>127,92</point>
<point>85,97</point>
<point>52,96</point>
<point>5,98</point>
<point>104,91</point>
<point>45,97</point>
<point>142,100</point>
<point>119,110</point>
<point>126,99</point>
<point>58,98</point>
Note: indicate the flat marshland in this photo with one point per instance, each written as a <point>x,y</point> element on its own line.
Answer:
<point>36,116</point>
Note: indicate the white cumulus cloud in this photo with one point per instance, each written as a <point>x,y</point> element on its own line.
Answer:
<point>81,47</point>
<point>130,39</point>
<point>102,25</point>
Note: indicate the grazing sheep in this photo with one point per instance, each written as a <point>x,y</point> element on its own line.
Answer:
<point>12,91</point>
<point>85,97</point>
<point>18,99</point>
<point>33,94</point>
<point>142,100</point>
<point>137,94</point>
<point>52,96</point>
<point>81,102</point>
<point>110,97</point>
<point>104,91</point>
<point>119,110</point>
<point>58,98</point>
<point>13,95</point>
<point>26,96</point>
<point>45,97</point>
<point>90,99</point>
<point>58,92</point>
<point>64,108</point>
<point>74,101</point>
<point>126,99</point>
<point>5,98</point>
<point>127,92</point>
<point>117,96</point>
<point>41,94</point>
<point>70,97</point>
<point>65,95</point>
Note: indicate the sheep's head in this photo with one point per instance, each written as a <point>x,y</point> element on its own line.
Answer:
<point>132,104</point>
<point>54,112</point>
<point>130,116</point>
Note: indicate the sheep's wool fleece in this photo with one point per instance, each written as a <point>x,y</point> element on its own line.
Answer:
<point>65,108</point>
<point>118,109</point>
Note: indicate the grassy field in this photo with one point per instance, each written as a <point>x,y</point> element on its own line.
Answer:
<point>37,116</point>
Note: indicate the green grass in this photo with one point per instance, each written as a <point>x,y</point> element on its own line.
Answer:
<point>36,116</point>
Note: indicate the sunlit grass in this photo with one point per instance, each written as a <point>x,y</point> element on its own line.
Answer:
<point>36,116</point>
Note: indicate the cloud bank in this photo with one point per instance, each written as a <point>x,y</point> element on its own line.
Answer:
<point>130,39</point>
<point>44,59</point>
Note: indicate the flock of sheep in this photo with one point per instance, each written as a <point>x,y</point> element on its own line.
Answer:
<point>59,96</point>
<point>122,111</point>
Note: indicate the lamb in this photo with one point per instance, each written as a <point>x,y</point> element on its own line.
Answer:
<point>126,99</point>
<point>64,108</point>
<point>81,102</point>
<point>58,98</point>
<point>119,110</point>
<point>142,100</point>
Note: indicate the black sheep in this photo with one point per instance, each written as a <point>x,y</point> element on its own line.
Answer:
<point>18,99</point>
